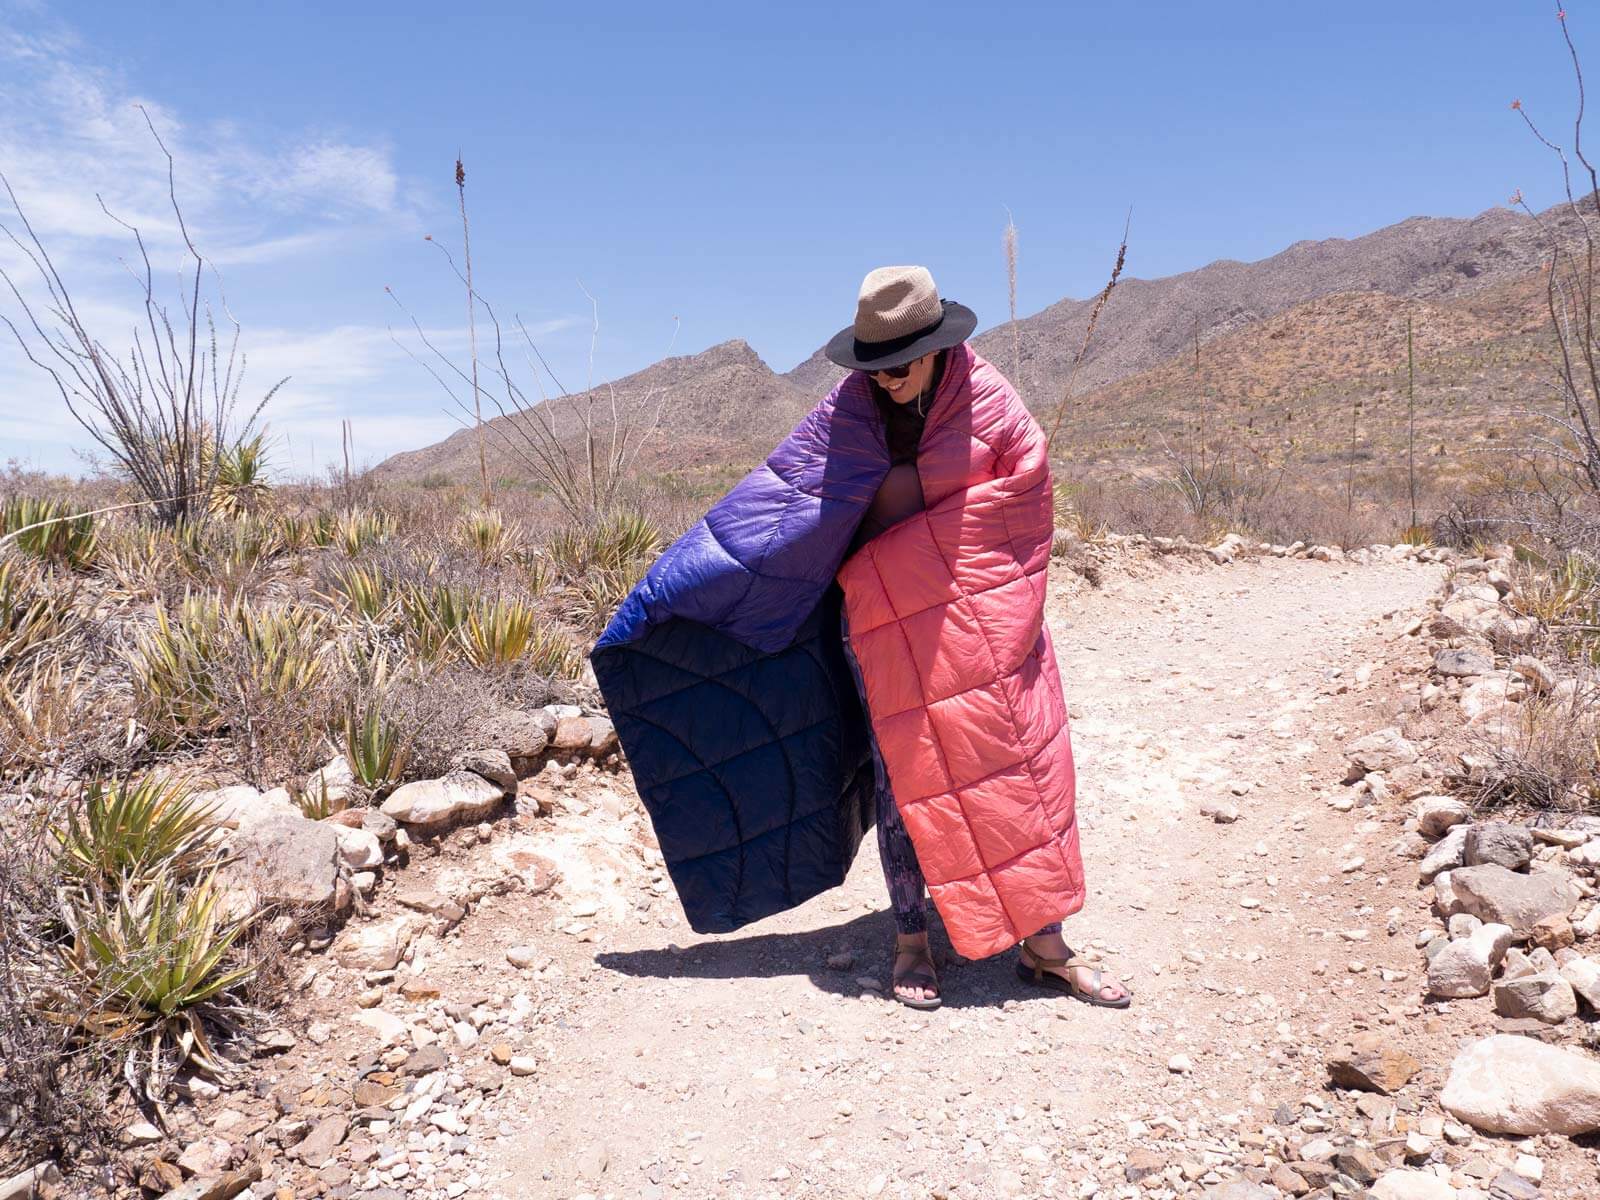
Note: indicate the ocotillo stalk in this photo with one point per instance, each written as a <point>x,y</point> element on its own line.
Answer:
<point>472,330</point>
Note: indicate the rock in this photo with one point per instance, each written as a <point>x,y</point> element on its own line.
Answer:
<point>1508,1185</point>
<point>1404,1184</point>
<point>1445,901</point>
<point>1221,811</point>
<point>1462,664</point>
<point>322,1143</point>
<point>1359,1163</point>
<point>1486,698</point>
<point>522,735</point>
<point>522,957</point>
<point>1142,1164</point>
<point>1494,894</point>
<point>334,784</point>
<point>435,904</point>
<point>1586,856</point>
<point>523,1064</point>
<point>1583,976</point>
<point>359,849</point>
<point>390,1029</point>
<point>434,804</point>
<point>208,1156</point>
<point>1380,751</point>
<point>493,765</point>
<point>572,734</point>
<point>1448,853</point>
<point>376,947</point>
<point>1553,933</point>
<point>243,806</point>
<point>1372,1064</point>
<point>1436,815</point>
<point>1545,997</point>
<point>425,1061</point>
<point>1541,679</point>
<point>1510,1084</point>
<point>1464,967</point>
<point>1501,843</point>
<point>1179,1064</point>
<point>1238,1189</point>
<point>284,859</point>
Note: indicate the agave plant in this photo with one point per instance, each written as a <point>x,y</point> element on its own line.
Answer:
<point>374,745</point>
<point>154,964</point>
<point>431,617</point>
<point>357,529</point>
<point>41,709</point>
<point>135,831</point>
<point>47,530</point>
<point>363,588</point>
<point>137,557</point>
<point>616,542</point>
<point>35,612</point>
<point>488,535</point>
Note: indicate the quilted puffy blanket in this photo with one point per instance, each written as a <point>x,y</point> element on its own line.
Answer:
<point>724,674</point>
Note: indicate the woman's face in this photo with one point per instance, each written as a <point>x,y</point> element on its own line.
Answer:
<point>903,391</point>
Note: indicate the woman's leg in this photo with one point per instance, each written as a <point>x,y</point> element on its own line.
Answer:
<point>901,871</point>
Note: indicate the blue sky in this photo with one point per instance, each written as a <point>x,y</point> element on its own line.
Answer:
<point>731,170</point>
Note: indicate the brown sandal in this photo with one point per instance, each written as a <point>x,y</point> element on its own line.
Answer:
<point>916,978</point>
<point>1039,977</point>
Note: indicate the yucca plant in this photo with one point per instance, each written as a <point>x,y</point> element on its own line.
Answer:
<point>357,529</point>
<point>48,530</point>
<point>550,652</point>
<point>362,588</point>
<point>616,541</point>
<point>374,745</point>
<point>488,535</point>
<point>135,831</point>
<point>241,476</point>
<point>496,631</point>
<point>154,964</point>
<point>137,557</point>
<point>228,552</point>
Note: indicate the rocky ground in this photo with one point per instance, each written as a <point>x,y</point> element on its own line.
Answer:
<point>524,1013</point>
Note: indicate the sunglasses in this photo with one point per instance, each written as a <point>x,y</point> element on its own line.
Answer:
<point>894,372</point>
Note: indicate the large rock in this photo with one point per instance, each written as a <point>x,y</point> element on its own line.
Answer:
<point>1510,1084</point>
<point>1501,843</point>
<point>1486,698</point>
<point>585,735</point>
<point>1403,1184</point>
<point>1466,965</point>
<point>1586,856</point>
<point>359,849</point>
<point>242,806</point>
<point>1381,751</point>
<point>493,765</point>
<point>523,735</point>
<point>1583,976</point>
<point>433,804</point>
<point>1437,815</point>
<point>1544,997</point>
<point>284,859</point>
<point>1448,853</point>
<point>1496,895</point>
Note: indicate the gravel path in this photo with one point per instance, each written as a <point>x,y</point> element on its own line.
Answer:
<point>747,1065</point>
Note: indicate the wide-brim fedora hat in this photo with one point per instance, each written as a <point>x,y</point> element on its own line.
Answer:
<point>899,318</point>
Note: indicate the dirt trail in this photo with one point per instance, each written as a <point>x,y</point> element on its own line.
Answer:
<point>744,1065</point>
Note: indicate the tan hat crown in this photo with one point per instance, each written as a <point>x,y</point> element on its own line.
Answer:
<point>896,302</point>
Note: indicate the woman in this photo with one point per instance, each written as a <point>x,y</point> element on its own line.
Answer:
<point>856,633</point>
<point>899,341</point>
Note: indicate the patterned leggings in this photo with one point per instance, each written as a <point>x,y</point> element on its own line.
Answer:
<point>902,872</point>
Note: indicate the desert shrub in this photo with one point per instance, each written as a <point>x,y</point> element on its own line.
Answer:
<point>443,622</point>
<point>598,563</point>
<point>141,560</point>
<point>37,611</point>
<point>43,706</point>
<point>257,673</point>
<point>1550,760</point>
<point>228,554</point>
<point>48,530</point>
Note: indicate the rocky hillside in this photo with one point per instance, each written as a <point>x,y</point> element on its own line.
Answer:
<point>1316,323</point>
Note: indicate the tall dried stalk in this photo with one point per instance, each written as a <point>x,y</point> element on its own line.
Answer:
<point>166,410</point>
<point>1010,242</point>
<point>583,447</point>
<point>1088,333</point>
<point>472,331</point>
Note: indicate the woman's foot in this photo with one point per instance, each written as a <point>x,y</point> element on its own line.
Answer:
<point>914,981</point>
<point>1083,981</point>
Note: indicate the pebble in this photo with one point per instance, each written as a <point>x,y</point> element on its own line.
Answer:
<point>1179,1064</point>
<point>522,957</point>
